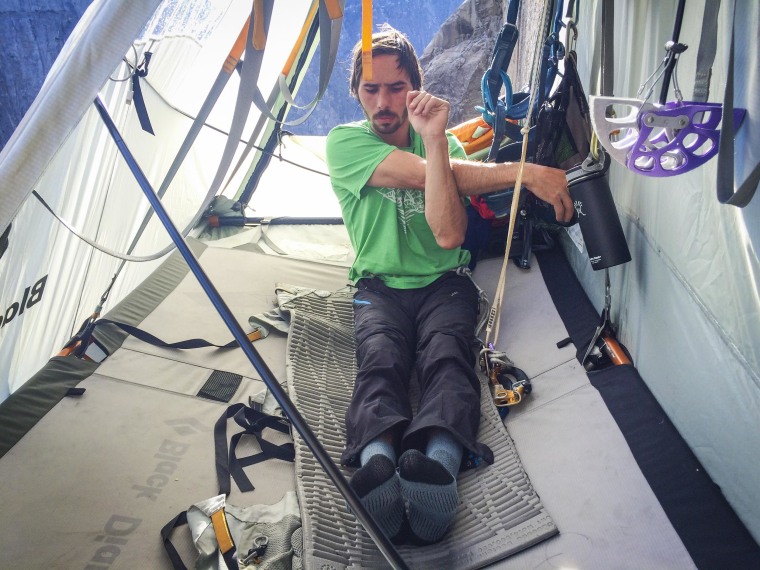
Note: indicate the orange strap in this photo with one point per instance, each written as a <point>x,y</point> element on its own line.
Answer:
<point>237,49</point>
<point>367,40</point>
<point>259,36</point>
<point>333,9</point>
<point>253,336</point>
<point>304,30</point>
<point>222,532</point>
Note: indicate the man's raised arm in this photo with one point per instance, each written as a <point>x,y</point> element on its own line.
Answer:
<point>444,211</point>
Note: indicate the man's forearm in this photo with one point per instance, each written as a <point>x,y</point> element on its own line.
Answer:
<point>443,206</point>
<point>474,178</point>
<point>548,184</point>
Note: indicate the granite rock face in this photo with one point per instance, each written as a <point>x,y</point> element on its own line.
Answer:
<point>33,33</point>
<point>418,20</point>
<point>459,54</point>
<point>456,59</point>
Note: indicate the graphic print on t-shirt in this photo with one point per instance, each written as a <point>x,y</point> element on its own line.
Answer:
<point>408,203</point>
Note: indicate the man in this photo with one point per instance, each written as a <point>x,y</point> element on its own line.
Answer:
<point>402,201</point>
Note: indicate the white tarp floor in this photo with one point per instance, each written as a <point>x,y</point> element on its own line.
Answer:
<point>91,485</point>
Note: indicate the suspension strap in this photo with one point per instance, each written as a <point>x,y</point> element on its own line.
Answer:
<point>330,22</point>
<point>708,42</point>
<point>494,109</point>
<point>674,50</point>
<point>79,345</point>
<point>727,194</point>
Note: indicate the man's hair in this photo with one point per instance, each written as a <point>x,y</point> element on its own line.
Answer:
<point>388,41</point>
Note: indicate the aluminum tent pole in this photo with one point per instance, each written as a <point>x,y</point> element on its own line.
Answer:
<point>383,543</point>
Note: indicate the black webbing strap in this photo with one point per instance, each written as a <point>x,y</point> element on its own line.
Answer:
<point>166,537</point>
<point>674,49</point>
<point>572,10</point>
<point>137,96</point>
<point>253,422</point>
<point>155,341</point>
<point>500,58</point>
<point>553,51</point>
<point>494,80</point>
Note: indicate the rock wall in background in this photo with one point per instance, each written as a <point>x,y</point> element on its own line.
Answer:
<point>32,32</point>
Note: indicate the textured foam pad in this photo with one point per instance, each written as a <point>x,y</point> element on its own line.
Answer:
<point>499,512</point>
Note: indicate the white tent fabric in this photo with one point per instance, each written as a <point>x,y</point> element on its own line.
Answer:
<point>76,168</point>
<point>687,305</point>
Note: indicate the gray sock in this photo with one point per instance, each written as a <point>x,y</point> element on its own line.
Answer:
<point>445,450</point>
<point>430,492</point>
<point>377,485</point>
<point>377,446</point>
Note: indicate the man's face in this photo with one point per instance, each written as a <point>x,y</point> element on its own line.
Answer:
<point>383,99</point>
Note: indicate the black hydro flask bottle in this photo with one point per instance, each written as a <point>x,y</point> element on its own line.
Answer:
<point>597,215</point>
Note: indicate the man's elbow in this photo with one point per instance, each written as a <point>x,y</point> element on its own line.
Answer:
<point>450,240</point>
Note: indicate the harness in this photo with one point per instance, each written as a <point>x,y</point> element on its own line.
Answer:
<point>230,541</point>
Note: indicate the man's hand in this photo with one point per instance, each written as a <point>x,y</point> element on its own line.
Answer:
<point>550,185</point>
<point>429,115</point>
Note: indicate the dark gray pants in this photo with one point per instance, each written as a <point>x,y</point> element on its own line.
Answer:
<point>429,330</point>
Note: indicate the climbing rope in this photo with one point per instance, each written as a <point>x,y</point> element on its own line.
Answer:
<point>494,317</point>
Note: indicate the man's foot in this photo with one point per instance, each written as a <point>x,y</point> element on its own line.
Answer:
<point>377,484</point>
<point>430,494</point>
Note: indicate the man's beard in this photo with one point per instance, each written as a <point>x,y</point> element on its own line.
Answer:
<point>388,128</point>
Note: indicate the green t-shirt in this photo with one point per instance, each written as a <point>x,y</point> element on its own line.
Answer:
<point>387,226</point>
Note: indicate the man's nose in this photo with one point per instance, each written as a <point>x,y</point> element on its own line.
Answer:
<point>382,99</point>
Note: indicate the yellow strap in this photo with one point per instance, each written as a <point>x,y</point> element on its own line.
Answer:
<point>367,40</point>
<point>301,37</point>
<point>237,49</point>
<point>259,36</point>
<point>222,532</point>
